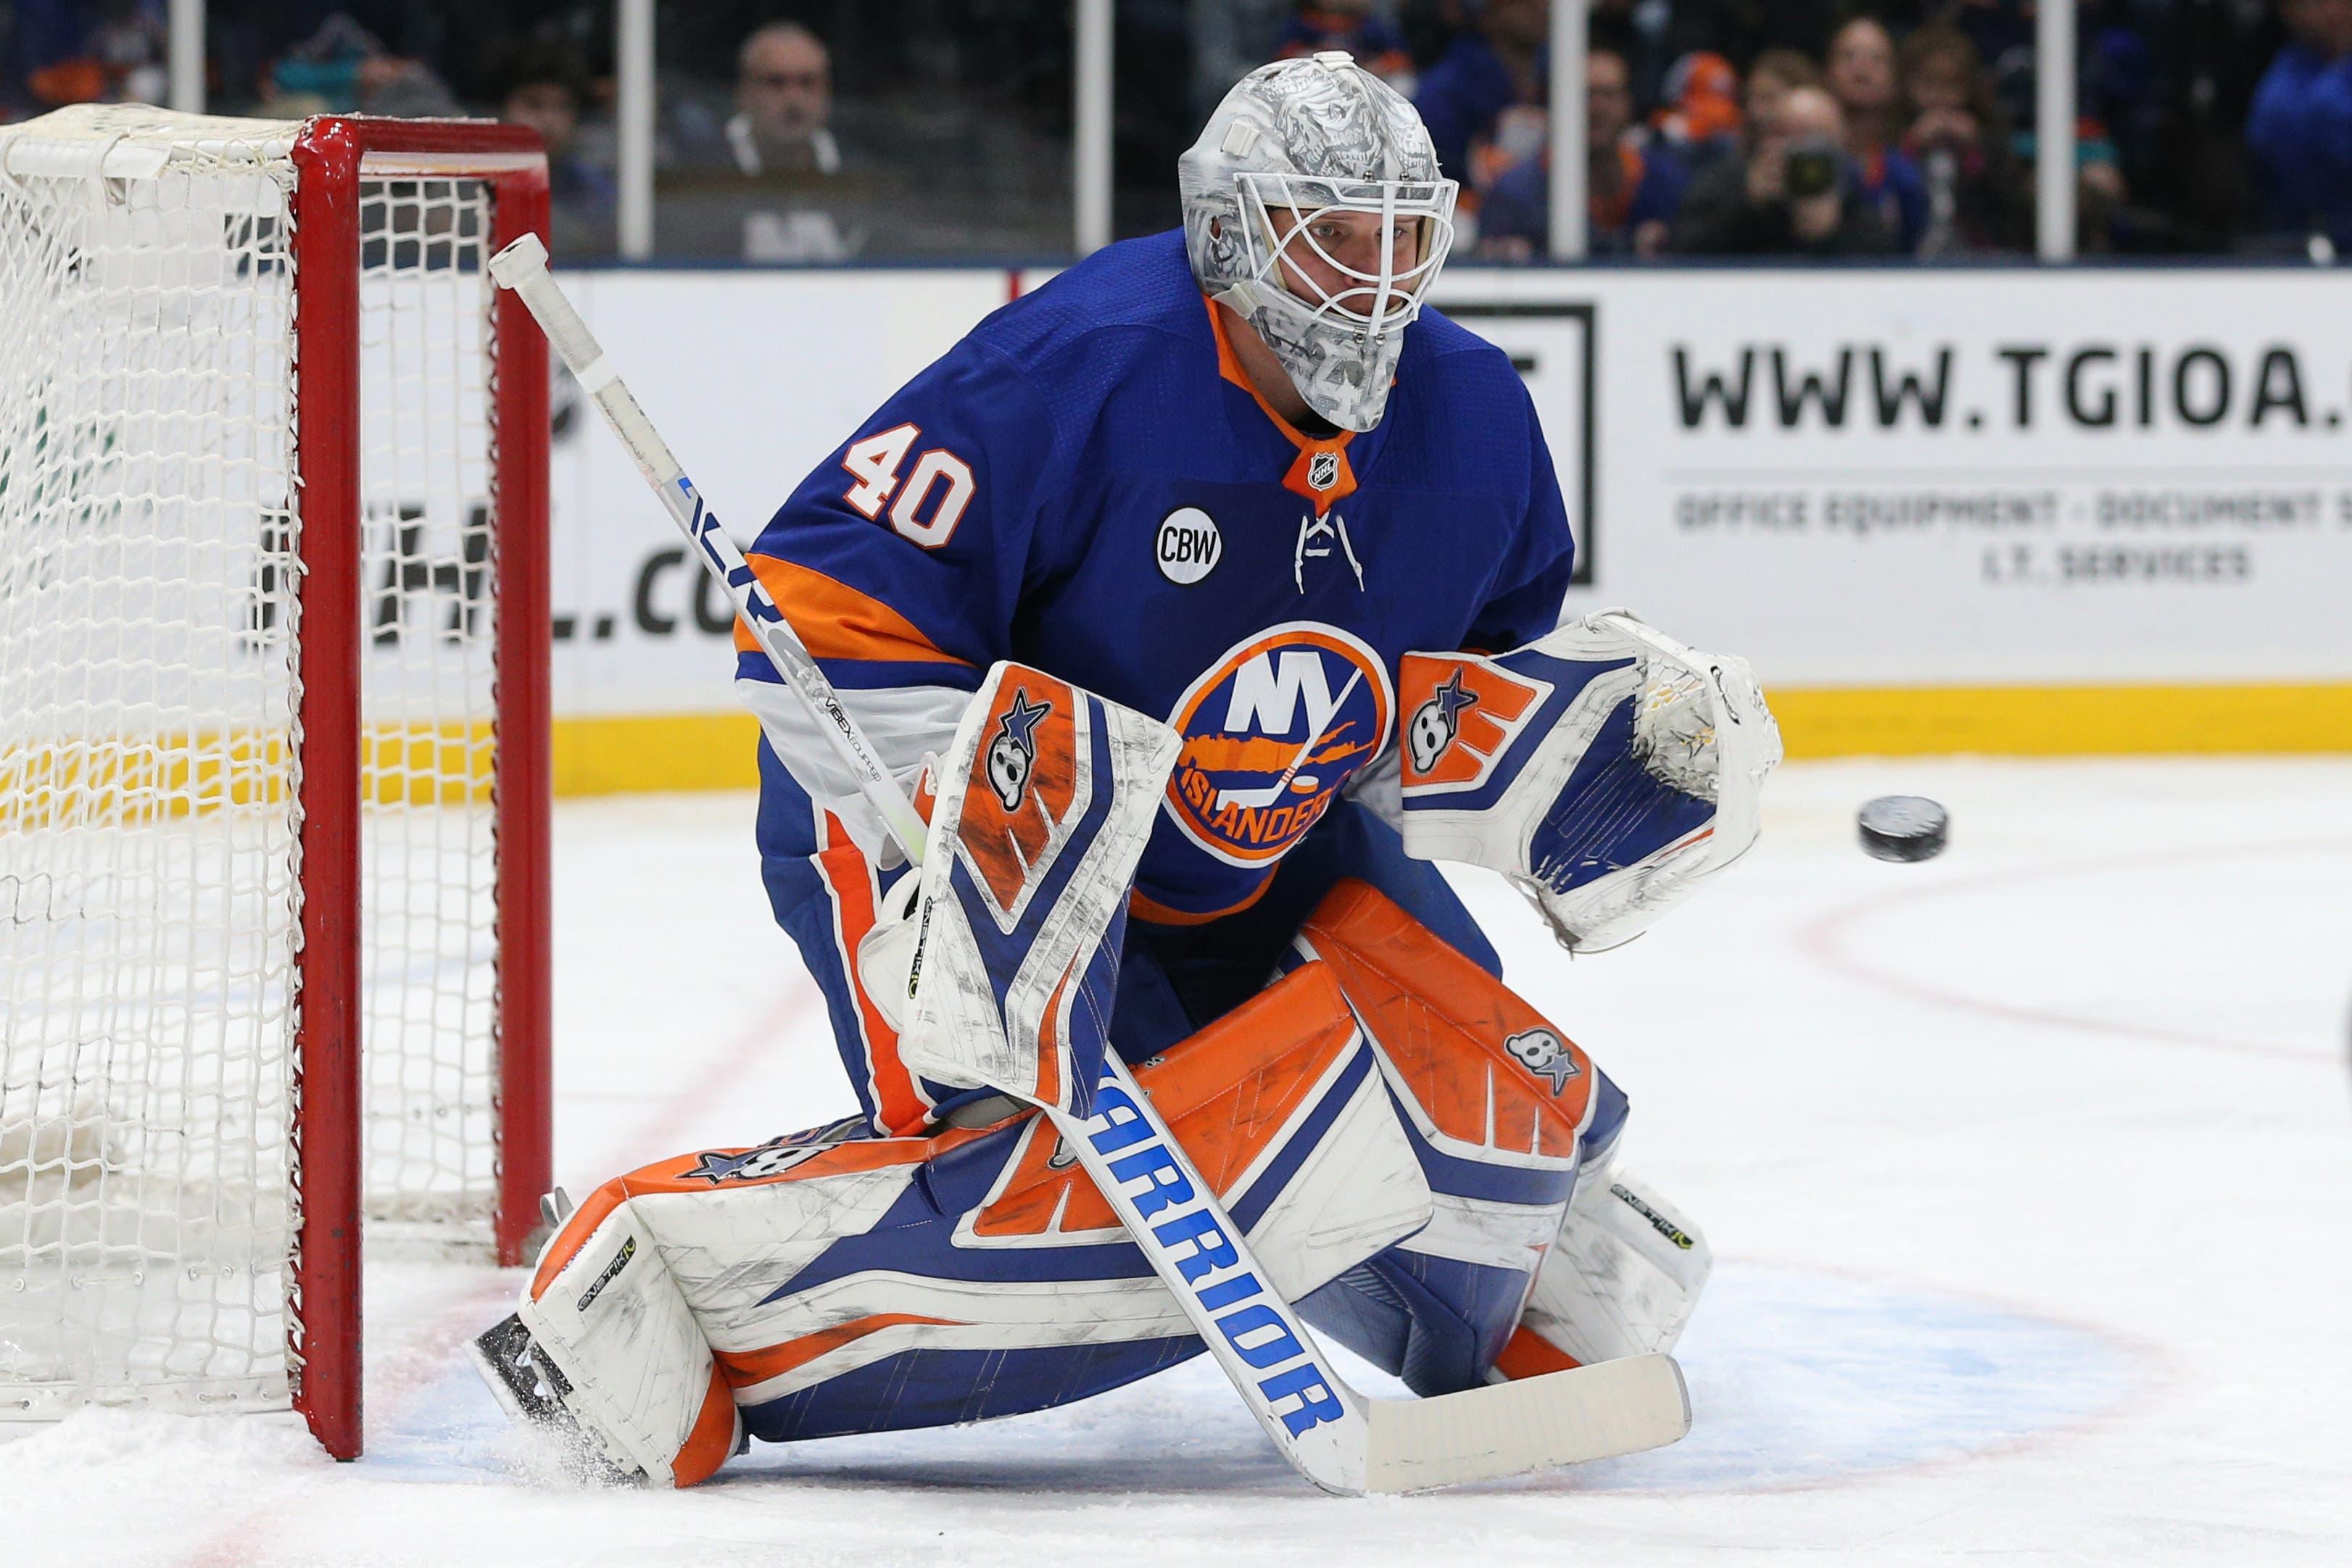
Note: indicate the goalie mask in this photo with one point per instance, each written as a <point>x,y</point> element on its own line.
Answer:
<point>1296,148</point>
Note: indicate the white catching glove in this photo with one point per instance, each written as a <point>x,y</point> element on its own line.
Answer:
<point>1604,768</point>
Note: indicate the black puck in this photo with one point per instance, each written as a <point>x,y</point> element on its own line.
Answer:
<point>1903,828</point>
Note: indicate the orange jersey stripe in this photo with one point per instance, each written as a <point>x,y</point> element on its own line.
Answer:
<point>1158,913</point>
<point>838,622</point>
<point>1229,365</point>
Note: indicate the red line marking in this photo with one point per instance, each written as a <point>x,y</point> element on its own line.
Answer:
<point>1824,939</point>
<point>398,1384</point>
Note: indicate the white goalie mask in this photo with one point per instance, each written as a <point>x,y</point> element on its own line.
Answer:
<point>1294,141</point>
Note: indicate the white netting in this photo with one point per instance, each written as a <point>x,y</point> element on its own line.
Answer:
<point>430,617</point>
<point>148,883</point>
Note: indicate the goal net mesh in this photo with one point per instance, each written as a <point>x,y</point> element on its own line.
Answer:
<point>151,709</point>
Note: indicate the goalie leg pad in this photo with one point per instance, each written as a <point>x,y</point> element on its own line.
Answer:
<point>1502,1110</point>
<point>636,1376</point>
<point>1621,1280</point>
<point>859,1284</point>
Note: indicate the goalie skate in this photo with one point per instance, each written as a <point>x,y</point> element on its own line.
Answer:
<point>531,1389</point>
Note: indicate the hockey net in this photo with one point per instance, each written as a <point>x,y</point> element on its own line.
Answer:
<point>206,327</point>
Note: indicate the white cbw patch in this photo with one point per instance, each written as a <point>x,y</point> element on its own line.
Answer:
<point>1187,547</point>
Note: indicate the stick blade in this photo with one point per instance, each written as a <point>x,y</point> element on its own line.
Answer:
<point>1593,1411</point>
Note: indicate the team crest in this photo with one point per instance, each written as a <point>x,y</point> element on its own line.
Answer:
<point>1545,1055</point>
<point>1323,470</point>
<point>1465,711</point>
<point>1271,732</point>
<point>1012,753</point>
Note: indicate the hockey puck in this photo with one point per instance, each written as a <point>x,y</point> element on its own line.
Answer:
<point>1903,828</point>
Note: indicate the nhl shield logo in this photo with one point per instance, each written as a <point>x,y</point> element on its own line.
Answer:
<point>1323,470</point>
<point>1544,1053</point>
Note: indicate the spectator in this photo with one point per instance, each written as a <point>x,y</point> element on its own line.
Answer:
<point>83,52</point>
<point>1352,26</point>
<point>2100,188</point>
<point>1654,37</point>
<point>1960,143</point>
<point>1633,183</point>
<point>783,103</point>
<point>1862,73</point>
<point>1701,118</point>
<point>346,68</point>
<point>1775,74</point>
<point>1494,66</point>
<point>543,88</point>
<point>2299,132</point>
<point>1770,79</point>
<point>782,137</point>
<point>1796,192</point>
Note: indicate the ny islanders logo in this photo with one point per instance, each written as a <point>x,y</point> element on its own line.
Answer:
<point>1271,731</point>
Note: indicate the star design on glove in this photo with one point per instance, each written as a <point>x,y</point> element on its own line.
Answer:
<point>1020,722</point>
<point>715,1167</point>
<point>1453,698</point>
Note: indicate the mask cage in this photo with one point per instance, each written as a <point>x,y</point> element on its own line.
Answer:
<point>1396,294</point>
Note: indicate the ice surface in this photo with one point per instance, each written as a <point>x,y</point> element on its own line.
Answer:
<point>2030,1169</point>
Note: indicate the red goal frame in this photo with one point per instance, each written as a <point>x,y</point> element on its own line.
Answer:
<point>330,155</point>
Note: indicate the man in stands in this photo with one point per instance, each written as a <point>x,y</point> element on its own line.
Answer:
<point>1797,192</point>
<point>1862,74</point>
<point>780,138</point>
<point>1633,181</point>
<point>2299,130</point>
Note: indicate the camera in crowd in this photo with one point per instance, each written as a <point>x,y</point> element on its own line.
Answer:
<point>1812,166</point>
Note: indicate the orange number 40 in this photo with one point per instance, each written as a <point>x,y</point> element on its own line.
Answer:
<point>874,464</point>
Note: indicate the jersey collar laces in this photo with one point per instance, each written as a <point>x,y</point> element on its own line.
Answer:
<point>1294,142</point>
<point>1312,529</point>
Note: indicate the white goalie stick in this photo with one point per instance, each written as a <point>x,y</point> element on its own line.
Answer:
<point>1341,1440</point>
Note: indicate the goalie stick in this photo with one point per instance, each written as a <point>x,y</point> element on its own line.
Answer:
<point>1334,1435</point>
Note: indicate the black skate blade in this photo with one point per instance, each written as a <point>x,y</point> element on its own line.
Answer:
<point>530,1389</point>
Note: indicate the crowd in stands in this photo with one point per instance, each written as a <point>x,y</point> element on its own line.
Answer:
<point>815,130</point>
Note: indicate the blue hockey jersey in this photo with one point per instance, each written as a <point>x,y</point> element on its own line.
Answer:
<point>1088,483</point>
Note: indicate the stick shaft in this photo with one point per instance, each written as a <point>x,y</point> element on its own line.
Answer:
<point>522,266</point>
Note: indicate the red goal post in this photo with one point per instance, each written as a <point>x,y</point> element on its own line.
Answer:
<point>274,773</point>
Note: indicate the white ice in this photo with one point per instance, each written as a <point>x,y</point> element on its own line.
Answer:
<point>2029,1170</point>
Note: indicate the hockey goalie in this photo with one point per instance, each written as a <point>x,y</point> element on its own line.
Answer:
<point>1203,599</point>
